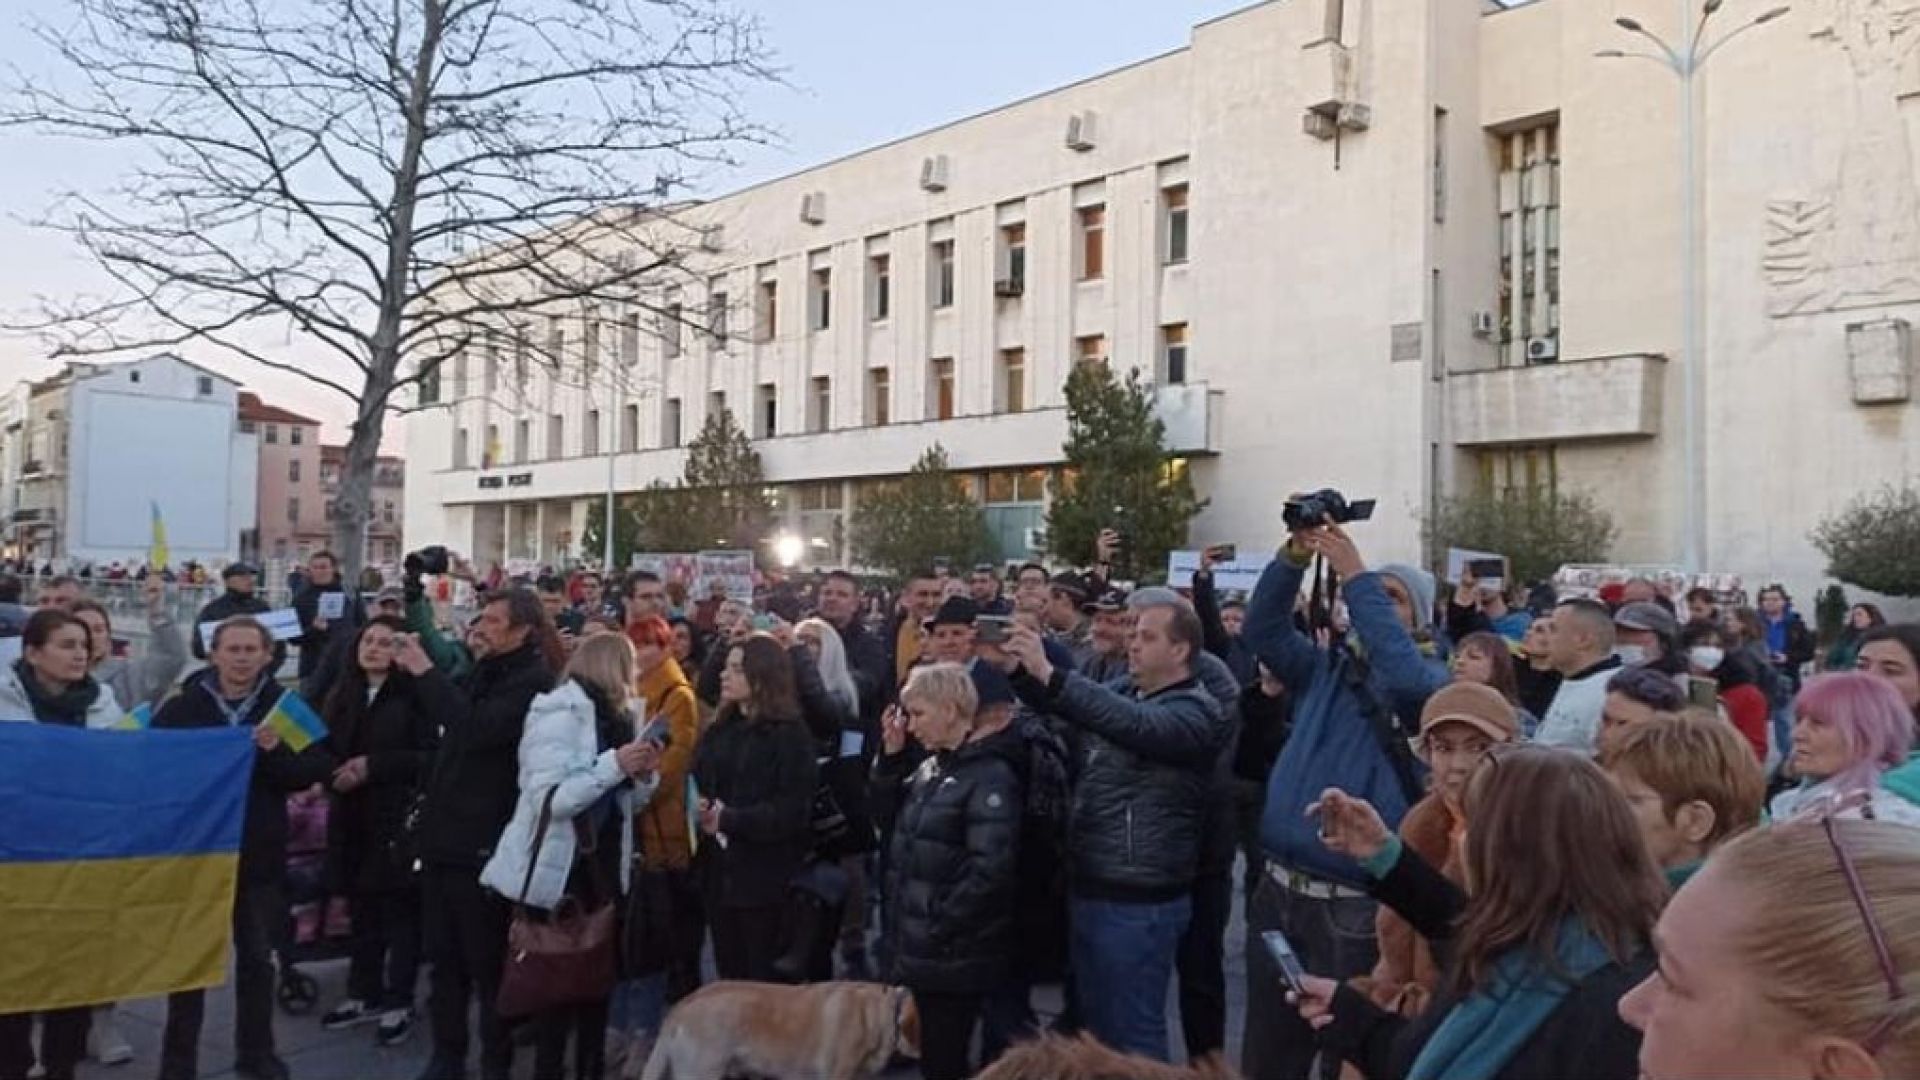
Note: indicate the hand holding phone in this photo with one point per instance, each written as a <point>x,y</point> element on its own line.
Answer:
<point>992,629</point>
<point>1288,961</point>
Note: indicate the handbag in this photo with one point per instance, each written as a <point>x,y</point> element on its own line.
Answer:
<point>826,818</point>
<point>568,957</point>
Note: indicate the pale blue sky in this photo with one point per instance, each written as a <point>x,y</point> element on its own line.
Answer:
<point>862,72</point>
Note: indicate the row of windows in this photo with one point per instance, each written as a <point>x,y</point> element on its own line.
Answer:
<point>296,434</point>
<point>1010,388</point>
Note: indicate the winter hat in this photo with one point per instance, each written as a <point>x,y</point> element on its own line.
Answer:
<point>1419,586</point>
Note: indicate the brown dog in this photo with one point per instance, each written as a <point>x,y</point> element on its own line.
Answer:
<point>1054,1058</point>
<point>826,1031</point>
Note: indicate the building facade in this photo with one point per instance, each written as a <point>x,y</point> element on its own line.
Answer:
<point>292,523</point>
<point>90,455</point>
<point>385,520</point>
<point>1405,250</point>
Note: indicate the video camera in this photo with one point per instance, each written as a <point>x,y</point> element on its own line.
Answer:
<point>1323,506</point>
<point>429,560</point>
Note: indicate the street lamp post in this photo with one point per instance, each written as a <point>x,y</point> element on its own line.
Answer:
<point>1685,62</point>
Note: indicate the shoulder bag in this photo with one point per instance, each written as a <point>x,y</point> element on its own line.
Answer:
<point>566,957</point>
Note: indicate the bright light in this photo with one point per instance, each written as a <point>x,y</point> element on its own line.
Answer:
<point>788,548</point>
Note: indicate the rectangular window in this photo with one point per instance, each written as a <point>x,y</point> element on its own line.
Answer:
<point>273,433</point>
<point>248,427</point>
<point>386,512</point>
<point>490,376</point>
<point>1013,380</point>
<point>589,347</point>
<point>1091,349</point>
<point>670,421</point>
<point>490,453</point>
<point>879,397</point>
<point>769,410</point>
<point>880,286</point>
<point>293,471</point>
<point>1093,242</point>
<point>670,319</point>
<point>1439,165</point>
<point>1529,280</point>
<point>296,434</point>
<point>942,264</point>
<point>293,511</point>
<point>820,286</point>
<point>1173,201</point>
<point>460,448</point>
<point>716,403</point>
<point>769,313</point>
<point>1013,260</point>
<point>630,429</point>
<point>940,403</point>
<point>717,314</point>
<point>820,404</point>
<point>590,434</point>
<point>522,436</point>
<point>556,342</point>
<point>556,436</point>
<point>520,349</point>
<point>206,386</point>
<point>630,338</point>
<point>1173,353</point>
<point>459,375</point>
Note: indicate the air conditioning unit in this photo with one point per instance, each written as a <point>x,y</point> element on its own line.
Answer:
<point>1008,289</point>
<point>1543,350</point>
<point>1484,324</point>
<point>1354,116</point>
<point>712,238</point>
<point>1035,539</point>
<point>933,173</point>
<point>1081,133</point>
<point>1319,125</point>
<point>813,208</point>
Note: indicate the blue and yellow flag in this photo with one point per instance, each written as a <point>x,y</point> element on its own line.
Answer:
<point>138,718</point>
<point>117,859</point>
<point>298,725</point>
<point>157,553</point>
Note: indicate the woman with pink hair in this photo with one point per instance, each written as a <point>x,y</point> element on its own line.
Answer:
<point>1848,729</point>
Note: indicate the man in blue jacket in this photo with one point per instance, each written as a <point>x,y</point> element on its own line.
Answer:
<point>1355,706</point>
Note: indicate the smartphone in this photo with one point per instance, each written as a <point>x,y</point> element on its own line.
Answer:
<point>1224,552</point>
<point>992,629</point>
<point>1703,693</point>
<point>658,732</point>
<point>1288,961</point>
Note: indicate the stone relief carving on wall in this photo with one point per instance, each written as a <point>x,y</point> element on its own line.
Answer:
<point>1857,242</point>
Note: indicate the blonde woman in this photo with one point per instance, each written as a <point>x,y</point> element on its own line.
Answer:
<point>578,751</point>
<point>1794,953</point>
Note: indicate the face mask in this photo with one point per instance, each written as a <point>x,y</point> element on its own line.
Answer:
<point>1707,657</point>
<point>1631,655</point>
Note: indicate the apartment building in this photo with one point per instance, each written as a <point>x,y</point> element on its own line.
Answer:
<point>1402,249</point>
<point>385,523</point>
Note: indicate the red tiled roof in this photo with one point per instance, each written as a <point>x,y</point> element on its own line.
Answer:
<point>252,408</point>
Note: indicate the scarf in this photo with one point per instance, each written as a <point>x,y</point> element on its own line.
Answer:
<point>1484,1031</point>
<point>68,708</point>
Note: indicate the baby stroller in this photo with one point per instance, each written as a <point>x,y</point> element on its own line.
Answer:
<point>319,927</point>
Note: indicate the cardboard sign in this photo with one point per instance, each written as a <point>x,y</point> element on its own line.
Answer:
<point>1240,575</point>
<point>332,605</point>
<point>282,623</point>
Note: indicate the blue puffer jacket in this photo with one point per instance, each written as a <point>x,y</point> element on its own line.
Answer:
<point>1332,742</point>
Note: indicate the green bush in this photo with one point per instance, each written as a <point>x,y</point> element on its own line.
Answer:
<point>1874,543</point>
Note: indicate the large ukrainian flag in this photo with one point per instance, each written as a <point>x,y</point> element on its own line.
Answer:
<point>117,859</point>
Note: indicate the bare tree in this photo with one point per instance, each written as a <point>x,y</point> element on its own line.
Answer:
<point>384,182</point>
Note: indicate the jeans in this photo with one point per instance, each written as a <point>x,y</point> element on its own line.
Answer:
<point>386,949</point>
<point>1782,736</point>
<point>946,1034</point>
<point>63,1043</point>
<point>466,938</point>
<point>1334,939</point>
<point>1201,962</point>
<point>639,1005</point>
<point>259,922</point>
<point>1122,957</point>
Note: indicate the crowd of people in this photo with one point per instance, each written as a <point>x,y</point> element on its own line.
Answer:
<point>1482,834</point>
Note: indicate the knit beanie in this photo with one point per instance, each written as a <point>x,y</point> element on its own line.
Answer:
<point>1419,586</point>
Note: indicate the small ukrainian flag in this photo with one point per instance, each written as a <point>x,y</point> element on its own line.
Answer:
<point>296,722</point>
<point>139,718</point>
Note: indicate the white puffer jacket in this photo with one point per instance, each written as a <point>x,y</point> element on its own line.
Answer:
<point>559,752</point>
<point>103,713</point>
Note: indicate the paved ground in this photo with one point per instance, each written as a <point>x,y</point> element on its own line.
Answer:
<point>313,1054</point>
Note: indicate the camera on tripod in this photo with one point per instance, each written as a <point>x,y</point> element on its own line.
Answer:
<point>1323,507</point>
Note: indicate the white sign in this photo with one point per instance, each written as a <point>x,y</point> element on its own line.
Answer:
<point>1240,575</point>
<point>735,568</point>
<point>1458,558</point>
<point>282,623</point>
<point>332,605</point>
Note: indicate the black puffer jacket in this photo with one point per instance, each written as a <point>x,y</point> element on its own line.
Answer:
<point>475,777</point>
<point>1143,769</point>
<point>952,875</point>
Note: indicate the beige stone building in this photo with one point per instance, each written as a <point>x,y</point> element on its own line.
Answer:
<point>1403,248</point>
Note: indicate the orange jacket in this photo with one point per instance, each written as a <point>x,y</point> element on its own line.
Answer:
<point>664,840</point>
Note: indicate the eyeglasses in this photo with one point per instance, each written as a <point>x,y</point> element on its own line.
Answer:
<point>1895,992</point>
